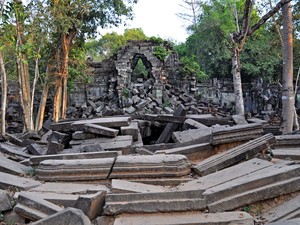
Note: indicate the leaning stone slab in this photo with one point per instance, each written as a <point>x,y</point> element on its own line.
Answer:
<point>35,160</point>
<point>100,130</point>
<point>234,155</point>
<point>153,202</point>
<point>12,167</point>
<point>33,208</point>
<point>194,134</point>
<point>149,166</point>
<point>258,194</point>
<point>74,170</point>
<point>226,175</point>
<point>91,205</point>
<point>186,218</point>
<point>66,216</point>
<point>69,188</point>
<point>36,149</point>
<point>287,210</point>
<point>193,124</point>
<point>5,202</point>
<point>124,186</point>
<point>14,150</point>
<point>22,183</point>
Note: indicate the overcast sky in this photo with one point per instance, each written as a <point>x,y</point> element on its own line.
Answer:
<point>157,18</point>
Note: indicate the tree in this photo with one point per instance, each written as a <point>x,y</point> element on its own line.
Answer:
<point>288,100</point>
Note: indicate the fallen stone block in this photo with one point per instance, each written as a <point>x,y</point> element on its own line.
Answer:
<point>100,130</point>
<point>193,124</point>
<point>153,202</point>
<point>22,183</point>
<point>192,152</point>
<point>150,166</point>
<point>69,188</point>
<point>54,148</point>
<point>36,149</point>
<point>288,141</point>
<point>234,155</point>
<point>12,167</point>
<point>5,201</point>
<point>124,186</point>
<point>81,135</point>
<point>74,170</point>
<point>11,215</point>
<point>186,218</point>
<point>287,222</point>
<point>132,130</point>
<point>66,216</point>
<point>286,153</point>
<point>193,134</point>
<point>62,126</point>
<point>210,120</point>
<point>33,208</point>
<point>61,138</point>
<point>237,133</point>
<point>13,150</point>
<point>91,205</point>
<point>286,211</point>
<point>239,120</point>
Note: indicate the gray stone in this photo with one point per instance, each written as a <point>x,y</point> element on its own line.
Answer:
<point>31,207</point>
<point>67,216</point>
<point>132,130</point>
<point>239,120</point>
<point>22,183</point>
<point>36,149</point>
<point>286,153</point>
<point>193,124</point>
<point>91,205</point>
<point>188,135</point>
<point>150,166</point>
<point>12,216</point>
<point>81,135</point>
<point>13,150</point>
<point>124,186</point>
<point>12,167</point>
<point>5,201</point>
<point>74,170</point>
<point>54,148</point>
<point>287,222</point>
<point>186,218</point>
<point>101,130</point>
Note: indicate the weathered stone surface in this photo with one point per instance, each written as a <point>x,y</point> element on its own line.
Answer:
<point>150,166</point>
<point>153,202</point>
<point>193,124</point>
<point>186,218</point>
<point>239,120</point>
<point>67,216</point>
<point>12,167</point>
<point>227,134</point>
<point>287,222</point>
<point>35,160</point>
<point>81,135</point>
<point>100,130</point>
<point>54,148</point>
<point>5,203</point>
<point>31,207</point>
<point>132,130</point>
<point>61,126</point>
<point>124,186</point>
<point>22,183</point>
<point>74,170</point>
<point>226,175</point>
<point>91,205</point>
<point>209,120</point>
<point>189,135</point>
<point>292,140</point>
<point>192,152</point>
<point>286,153</point>
<point>287,210</point>
<point>69,188</point>
<point>36,149</point>
<point>104,220</point>
<point>91,148</point>
<point>14,150</point>
<point>234,155</point>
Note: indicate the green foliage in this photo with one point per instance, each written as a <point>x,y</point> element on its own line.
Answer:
<point>126,92</point>
<point>31,172</point>
<point>1,216</point>
<point>161,52</point>
<point>190,67</point>
<point>140,69</point>
<point>247,208</point>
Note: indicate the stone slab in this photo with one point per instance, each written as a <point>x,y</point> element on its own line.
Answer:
<point>286,153</point>
<point>34,208</point>
<point>193,124</point>
<point>74,169</point>
<point>239,120</point>
<point>193,134</point>
<point>22,183</point>
<point>12,167</point>
<point>210,120</point>
<point>124,186</point>
<point>100,130</point>
<point>186,218</point>
<point>35,160</point>
<point>287,222</point>
<point>69,188</point>
<point>285,211</point>
<point>5,201</point>
<point>67,216</point>
<point>292,140</point>
<point>14,150</point>
<point>132,129</point>
<point>149,166</point>
<point>81,135</point>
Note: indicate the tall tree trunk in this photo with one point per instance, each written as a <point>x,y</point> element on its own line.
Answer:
<point>4,95</point>
<point>237,83</point>
<point>36,76</point>
<point>41,112</point>
<point>288,100</point>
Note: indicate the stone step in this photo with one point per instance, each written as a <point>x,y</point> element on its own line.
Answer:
<point>287,210</point>
<point>74,170</point>
<point>226,175</point>
<point>192,152</point>
<point>22,183</point>
<point>237,133</point>
<point>234,155</point>
<point>31,207</point>
<point>35,160</point>
<point>150,166</point>
<point>185,218</point>
<point>255,195</point>
<point>153,202</point>
<point>260,178</point>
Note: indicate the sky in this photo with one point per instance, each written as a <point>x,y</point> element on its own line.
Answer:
<point>156,18</point>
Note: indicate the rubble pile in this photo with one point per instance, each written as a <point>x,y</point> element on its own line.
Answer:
<point>197,169</point>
